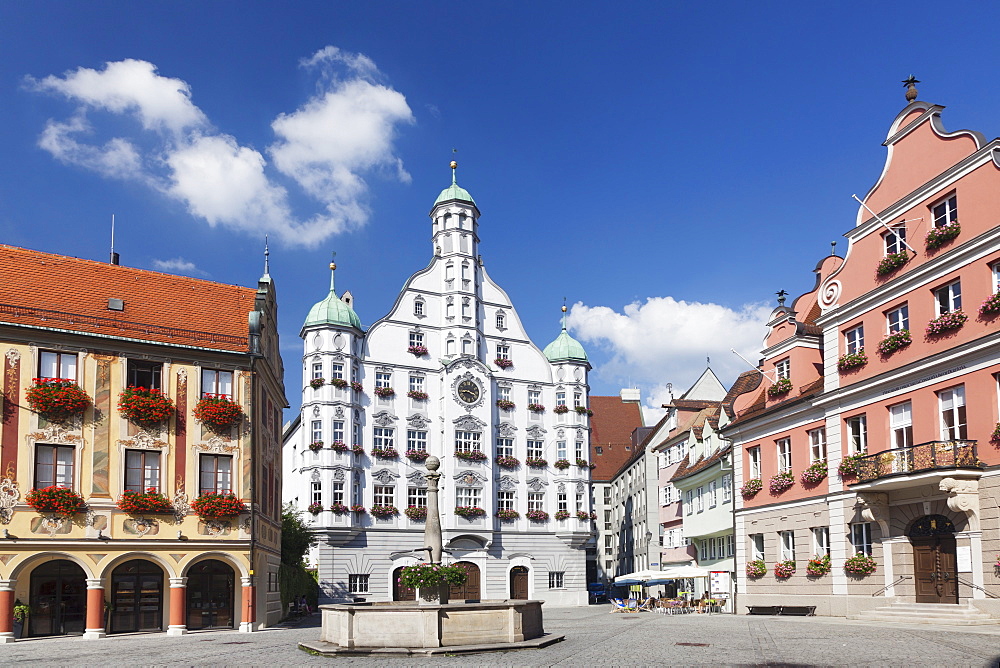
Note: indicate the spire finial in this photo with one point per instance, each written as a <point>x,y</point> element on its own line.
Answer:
<point>564,314</point>
<point>333,268</point>
<point>833,248</point>
<point>911,88</point>
<point>267,253</point>
<point>454,166</point>
<point>781,297</point>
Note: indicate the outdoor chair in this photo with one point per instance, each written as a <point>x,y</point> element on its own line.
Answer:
<point>647,605</point>
<point>617,605</point>
<point>632,605</point>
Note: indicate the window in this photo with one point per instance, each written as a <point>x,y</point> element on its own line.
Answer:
<point>57,365</point>
<point>727,488</point>
<point>784,454</point>
<point>142,470</point>
<point>895,241</point>
<point>535,448</point>
<point>817,445</point>
<point>383,379</point>
<point>449,272</point>
<point>382,437</point>
<point>503,393</point>
<point>450,346</point>
<point>215,474</point>
<point>560,398</point>
<point>699,497</point>
<point>561,449</point>
<point>577,400</point>
<point>416,338</point>
<point>730,545</point>
<point>607,520</point>
<point>468,496</point>
<point>317,493</point>
<point>609,544</point>
<point>898,319</point>
<point>416,439</point>
<point>948,298</point>
<point>357,583</point>
<point>996,277</point>
<point>503,351</point>
<point>501,320</point>
<point>821,541</point>
<point>580,502</point>
<point>338,430</point>
<point>467,346</point>
<point>861,538</point>
<point>505,500</point>
<point>757,545</point>
<point>787,545</point>
<point>901,424</point>
<point>218,382</point>
<point>337,492</point>
<point>416,383</point>
<point>356,433</point>
<point>536,501</point>
<point>784,369</point>
<point>561,503</point>
<point>465,308</point>
<point>317,430</point>
<point>945,212</point>
<point>857,434</point>
<point>713,494</point>
<point>754,456</point>
<point>505,447</point>
<point>579,449</point>
<point>418,306</point>
<point>607,496</point>
<point>416,497</point>
<point>356,496</point>
<point>467,441</point>
<point>140,373</point>
<point>854,339</point>
<point>534,396</point>
<point>689,502</point>
<point>668,494</point>
<point>952,403</point>
<point>450,309</point>
<point>385,495</point>
<point>556,579</point>
<point>53,466</point>
<point>599,450</point>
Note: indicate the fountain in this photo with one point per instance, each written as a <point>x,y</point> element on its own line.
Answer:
<point>431,625</point>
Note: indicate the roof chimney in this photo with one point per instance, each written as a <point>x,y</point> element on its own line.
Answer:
<point>630,395</point>
<point>114,257</point>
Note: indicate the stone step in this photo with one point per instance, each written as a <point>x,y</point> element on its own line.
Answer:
<point>928,613</point>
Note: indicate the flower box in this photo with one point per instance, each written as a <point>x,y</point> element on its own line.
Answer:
<point>357,449</point>
<point>583,410</point>
<point>470,512</point>
<point>315,508</point>
<point>851,361</point>
<point>316,446</point>
<point>751,488</point>
<point>141,503</point>
<point>416,513</point>
<point>562,515</point>
<point>470,456</point>
<point>507,515</point>
<point>339,509</point>
<point>849,466</point>
<point>358,508</point>
<point>756,569</point>
<point>507,462</point>
<point>218,412</point>
<point>317,383</point>
<point>894,342</point>
<point>582,463</point>
<point>503,362</point>
<point>561,409</point>
<point>385,453</point>
<point>891,263</point>
<point>339,446</point>
<point>582,515</point>
<point>57,399</point>
<point>781,481</point>
<point>505,404</point>
<point>536,408</point>
<point>991,305</point>
<point>55,500</point>
<point>384,510</point>
<point>357,387</point>
<point>815,474</point>
<point>537,515</point>
<point>339,383</point>
<point>818,566</point>
<point>417,455</point>
<point>939,236</point>
<point>212,505</point>
<point>430,576</point>
<point>784,569</point>
<point>860,565</point>
<point>418,395</point>
<point>562,464</point>
<point>780,387</point>
<point>143,406</point>
<point>536,462</point>
<point>946,322</point>
<point>418,351</point>
<point>384,392</point>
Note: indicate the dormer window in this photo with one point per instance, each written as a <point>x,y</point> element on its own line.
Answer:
<point>784,369</point>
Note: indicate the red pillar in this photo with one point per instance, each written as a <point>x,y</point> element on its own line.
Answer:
<point>95,610</point>
<point>178,608</point>
<point>6,611</point>
<point>248,616</point>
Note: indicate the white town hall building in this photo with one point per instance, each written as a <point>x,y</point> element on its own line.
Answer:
<point>450,372</point>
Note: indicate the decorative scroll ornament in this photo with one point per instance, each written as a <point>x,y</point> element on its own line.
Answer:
<point>829,294</point>
<point>874,507</point>
<point>181,506</point>
<point>537,484</point>
<point>581,488</point>
<point>315,411</point>
<point>536,433</point>
<point>182,377</point>
<point>338,412</point>
<point>338,475</point>
<point>55,433</point>
<point>417,479</point>
<point>469,423</point>
<point>143,441</point>
<point>417,421</point>
<point>142,526</point>
<point>384,419</point>
<point>245,524</point>
<point>579,434</point>
<point>384,477</point>
<point>215,527</point>
<point>507,483</point>
<point>90,519</point>
<point>963,497</point>
<point>13,355</point>
<point>9,496</point>
<point>562,488</point>
<point>315,475</point>
<point>51,524</point>
<point>217,445</point>
<point>471,478</point>
<point>506,429</point>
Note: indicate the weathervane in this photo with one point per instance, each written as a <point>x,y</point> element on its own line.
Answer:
<point>911,88</point>
<point>781,297</point>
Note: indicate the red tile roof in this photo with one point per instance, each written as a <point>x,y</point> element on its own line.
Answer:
<point>66,293</point>
<point>611,429</point>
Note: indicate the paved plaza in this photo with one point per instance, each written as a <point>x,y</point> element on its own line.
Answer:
<point>593,638</point>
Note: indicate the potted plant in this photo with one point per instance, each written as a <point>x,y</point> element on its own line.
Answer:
<point>417,351</point>
<point>860,565</point>
<point>417,455</point>
<point>218,505</point>
<point>562,464</point>
<point>946,322</point>
<point>417,395</point>
<point>383,510</point>
<point>317,383</point>
<point>434,581</point>
<point>338,508</point>
<point>507,515</point>
<point>991,305</point>
<point>561,409</point>
<point>140,503</point>
<point>416,513</point>
<point>756,569</point>
<point>55,500</point>
<point>781,481</point>
<point>316,446</point>
<point>537,515</point>
<point>818,566</point>
<point>384,392</point>
<point>751,487</point>
<point>583,410</point>
<point>315,508</point>
<point>505,462</point>
<point>358,509</point>
<point>145,406</point>
<point>891,263</point>
<point>21,613</point>
<point>849,466</point>
<point>784,569</point>
<point>470,455</point>
<point>939,236</point>
<point>536,462</point>
<point>469,512</point>
<point>57,399</point>
<point>339,383</point>
<point>503,362</point>
<point>505,404</point>
<point>582,463</point>
<point>851,361</point>
<point>893,342</point>
<point>357,449</point>
<point>339,446</point>
<point>385,453</point>
<point>357,387</point>
<point>562,515</point>
<point>582,515</point>
<point>536,408</point>
<point>815,474</point>
<point>218,412</point>
<point>780,387</point>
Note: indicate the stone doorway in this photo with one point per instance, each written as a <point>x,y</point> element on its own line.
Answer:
<point>58,599</point>
<point>935,568</point>
<point>470,590</point>
<point>519,583</point>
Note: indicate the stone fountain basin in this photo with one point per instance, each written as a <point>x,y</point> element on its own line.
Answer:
<point>410,624</point>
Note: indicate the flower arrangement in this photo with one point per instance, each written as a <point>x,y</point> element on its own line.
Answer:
<point>849,466</point>
<point>138,503</point>
<point>946,322</point>
<point>561,409</point>
<point>582,515</point>
<point>357,449</point>
<point>316,446</point>
<point>991,305</point>
<point>995,436</point>
<point>784,569</point>
<point>505,404</point>
<point>818,566</point>
<point>418,351</point>
<point>939,236</point>
<point>358,508</point>
<point>416,513</point>
<point>507,462</point>
<point>55,500</point>
<point>537,515</point>
<point>417,455</point>
<point>317,383</point>
<point>385,453</point>
<point>503,362</point>
<point>850,361</point>
<point>751,488</point>
<point>57,399</point>
<point>145,406</point>
<point>781,481</point>
<point>218,412</point>
<point>562,514</point>
<point>536,408</point>
<point>536,462</point>
<point>891,263</point>
<point>418,395</point>
<point>384,510</point>
<point>583,410</point>
<point>894,342</point>
<point>429,576</point>
<point>21,611</point>
<point>562,464</point>
<point>212,505</point>
<point>860,565</point>
<point>339,446</point>
<point>815,474</point>
<point>469,512</point>
<point>470,455</point>
<point>756,568</point>
<point>384,392</point>
<point>339,508</point>
<point>507,514</point>
<point>315,508</point>
<point>582,463</point>
<point>780,387</point>
<point>339,383</point>
<point>593,516</point>
<point>357,387</point>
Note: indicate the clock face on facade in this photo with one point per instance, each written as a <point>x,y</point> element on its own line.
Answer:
<point>468,391</point>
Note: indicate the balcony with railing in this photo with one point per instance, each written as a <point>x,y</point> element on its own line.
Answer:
<point>918,464</point>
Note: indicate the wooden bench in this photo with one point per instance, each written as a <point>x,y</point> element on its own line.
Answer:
<point>764,609</point>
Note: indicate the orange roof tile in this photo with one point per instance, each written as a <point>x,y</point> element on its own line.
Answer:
<point>611,429</point>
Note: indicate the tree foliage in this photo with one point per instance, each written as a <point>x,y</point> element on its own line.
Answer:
<point>296,538</point>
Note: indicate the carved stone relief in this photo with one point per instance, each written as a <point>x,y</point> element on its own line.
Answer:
<point>417,479</point>
<point>561,488</point>
<point>55,433</point>
<point>469,423</point>
<point>507,483</point>
<point>537,484</point>
<point>143,441</point>
<point>338,475</point>
<point>874,507</point>
<point>506,429</point>
<point>536,433</point>
<point>338,412</point>
<point>417,421</point>
<point>218,446</point>
<point>9,496</point>
<point>471,478</point>
<point>383,419</point>
<point>963,497</point>
<point>384,477</point>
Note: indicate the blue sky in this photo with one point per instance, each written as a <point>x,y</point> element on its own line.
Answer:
<point>666,167</point>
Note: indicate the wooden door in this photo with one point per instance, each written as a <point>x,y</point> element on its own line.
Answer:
<point>519,583</point>
<point>401,592</point>
<point>935,569</point>
<point>470,590</point>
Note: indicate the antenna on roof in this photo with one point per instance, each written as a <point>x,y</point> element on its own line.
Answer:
<point>114,255</point>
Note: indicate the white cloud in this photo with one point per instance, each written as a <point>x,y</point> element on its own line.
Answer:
<point>667,341</point>
<point>179,265</point>
<point>327,147</point>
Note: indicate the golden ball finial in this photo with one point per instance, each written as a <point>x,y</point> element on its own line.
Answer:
<point>454,164</point>
<point>564,308</point>
<point>333,265</point>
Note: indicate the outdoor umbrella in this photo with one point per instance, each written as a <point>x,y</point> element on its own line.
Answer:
<point>683,572</point>
<point>639,577</point>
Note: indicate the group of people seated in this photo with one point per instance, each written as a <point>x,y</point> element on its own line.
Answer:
<point>679,605</point>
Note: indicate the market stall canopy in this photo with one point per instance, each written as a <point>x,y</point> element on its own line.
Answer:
<point>639,577</point>
<point>682,572</point>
